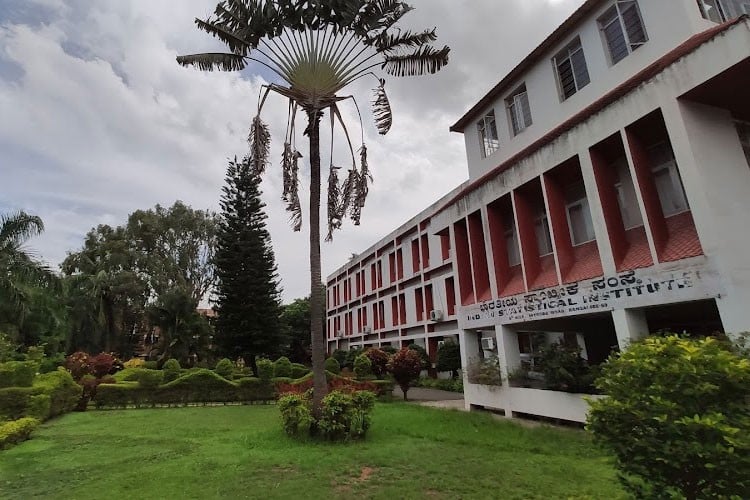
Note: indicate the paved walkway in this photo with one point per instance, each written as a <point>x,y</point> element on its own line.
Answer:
<point>432,397</point>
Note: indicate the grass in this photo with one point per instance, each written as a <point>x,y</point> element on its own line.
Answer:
<point>241,452</point>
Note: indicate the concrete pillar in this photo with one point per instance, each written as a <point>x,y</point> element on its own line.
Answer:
<point>716,178</point>
<point>630,325</point>
<point>467,340</point>
<point>508,351</point>
<point>597,214</point>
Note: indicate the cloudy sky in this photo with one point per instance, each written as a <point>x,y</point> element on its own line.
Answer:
<point>97,120</point>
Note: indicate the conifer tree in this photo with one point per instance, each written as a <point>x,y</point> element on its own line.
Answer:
<point>247,291</point>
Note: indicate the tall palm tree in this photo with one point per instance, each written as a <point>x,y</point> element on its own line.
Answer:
<point>316,48</point>
<point>18,268</point>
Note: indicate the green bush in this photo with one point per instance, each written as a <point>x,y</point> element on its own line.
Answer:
<point>331,365</point>
<point>676,418</point>
<point>121,395</point>
<point>151,365</point>
<point>378,361</point>
<point>265,368</point>
<point>299,370</point>
<point>200,386</point>
<point>449,358</point>
<point>225,368</point>
<point>17,373</point>
<point>295,414</point>
<point>64,393</point>
<point>128,375</point>
<point>171,370</point>
<point>150,378</point>
<point>362,366</point>
<point>485,371</point>
<point>15,402</point>
<point>39,406</point>
<point>565,370</point>
<point>389,349</point>
<point>16,431</point>
<point>351,355</point>
<point>50,364</point>
<point>345,416</point>
<point>254,389</point>
<point>383,387</point>
<point>282,367</point>
<point>443,384</point>
<point>340,356</point>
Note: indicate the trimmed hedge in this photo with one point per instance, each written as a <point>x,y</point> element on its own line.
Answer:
<point>282,367</point>
<point>16,431</point>
<point>299,370</point>
<point>201,386</point>
<point>52,394</point>
<point>17,373</point>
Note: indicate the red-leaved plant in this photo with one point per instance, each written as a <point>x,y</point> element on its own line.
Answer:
<point>405,366</point>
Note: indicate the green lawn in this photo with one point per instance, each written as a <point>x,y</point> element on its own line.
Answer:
<point>241,452</point>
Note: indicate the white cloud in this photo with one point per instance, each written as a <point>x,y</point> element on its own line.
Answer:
<point>98,120</point>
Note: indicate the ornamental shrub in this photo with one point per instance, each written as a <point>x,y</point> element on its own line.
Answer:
<point>128,375</point>
<point>331,365</point>
<point>64,393</point>
<point>78,365</point>
<point>17,373</point>
<point>405,366</point>
<point>15,402</point>
<point>422,354</point>
<point>345,416</point>
<point>295,414</point>
<point>676,418</point>
<point>225,368</point>
<point>340,356</point>
<point>171,370</point>
<point>485,371</point>
<point>351,355</point>
<point>299,370</point>
<point>151,365</point>
<point>16,431</point>
<point>102,364</point>
<point>362,366</point>
<point>265,369</point>
<point>378,361</point>
<point>134,363</point>
<point>388,349</point>
<point>282,367</point>
<point>449,358</point>
<point>565,370</point>
<point>149,379</point>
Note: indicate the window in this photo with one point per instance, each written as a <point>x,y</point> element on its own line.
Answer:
<point>626,197</point>
<point>667,179</point>
<point>579,215</point>
<point>519,110</point>
<point>622,29</point>
<point>570,66</point>
<point>488,140</point>
<point>723,10</point>
<point>541,229</point>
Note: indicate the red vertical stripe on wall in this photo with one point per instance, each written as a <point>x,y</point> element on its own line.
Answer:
<point>479,257</point>
<point>415,264</point>
<point>425,252</point>
<point>527,237</point>
<point>463,263</point>
<point>497,240</point>
<point>450,296</point>
<point>399,264</point>
<point>606,178</point>
<point>419,304</point>
<point>558,221</point>
<point>428,301</point>
<point>402,309</point>
<point>394,310</point>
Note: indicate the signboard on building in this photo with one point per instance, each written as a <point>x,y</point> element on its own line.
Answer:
<point>630,289</point>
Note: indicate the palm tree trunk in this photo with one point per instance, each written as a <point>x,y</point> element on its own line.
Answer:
<point>320,387</point>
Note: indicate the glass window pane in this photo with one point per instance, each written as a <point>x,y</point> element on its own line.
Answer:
<point>618,48</point>
<point>581,227</point>
<point>526,109</point>
<point>631,18</point>
<point>580,69</point>
<point>543,239</point>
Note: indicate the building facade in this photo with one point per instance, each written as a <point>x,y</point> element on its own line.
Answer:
<point>609,174</point>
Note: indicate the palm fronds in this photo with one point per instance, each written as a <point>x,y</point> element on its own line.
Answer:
<point>334,201</point>
<point>426,59</point>
<point>381,109</point>
<point>260,145</point>
<point>213,61</point>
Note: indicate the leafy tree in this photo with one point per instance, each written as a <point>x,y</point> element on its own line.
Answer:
<point>247,295</point>
<point>183,331</point>
<point>362,366</point>
<point>175,247</point>
<point>405,366</point>
<point>317,49</point>
<point>295,325</point>
<point>676,418</point>
<point>378,361</point>
<point>422,354</point>
<point>449,358</point>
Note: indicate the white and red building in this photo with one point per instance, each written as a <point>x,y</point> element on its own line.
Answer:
<point>608,193</point>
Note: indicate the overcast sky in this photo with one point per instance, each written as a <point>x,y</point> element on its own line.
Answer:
<point>97,120</point>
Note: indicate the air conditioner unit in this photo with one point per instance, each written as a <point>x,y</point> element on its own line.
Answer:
<point>339,334</point>
<point>436,315</point>
<point>488,343</point>
<point>440,343</point>
<point>367,330</point>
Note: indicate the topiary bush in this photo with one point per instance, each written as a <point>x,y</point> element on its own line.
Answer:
<point>64,393</point>
<point>299,370</point>
<point>340,356</point>
<point>405,366</point>
<point>17,373</point>
<point>171,370</point>
<point>16,431</point>
<point>15,402</point>
<point>282,367</point>
<point>351,355</point>
<point>265,369</point>
<point>134,363</point>
<point>378,361</point>
<point>149,379</point>
<point>362,366</point>
<point>676,418</point>
<point>331,365</point>
<point>225,368</point>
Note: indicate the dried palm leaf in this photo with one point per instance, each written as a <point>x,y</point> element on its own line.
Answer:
<point>260,145</point>
<point>381,109</point>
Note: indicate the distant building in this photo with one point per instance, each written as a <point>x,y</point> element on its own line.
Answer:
<point>608,192</point>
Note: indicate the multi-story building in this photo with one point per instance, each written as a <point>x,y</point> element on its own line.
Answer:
<point>608,192</point>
